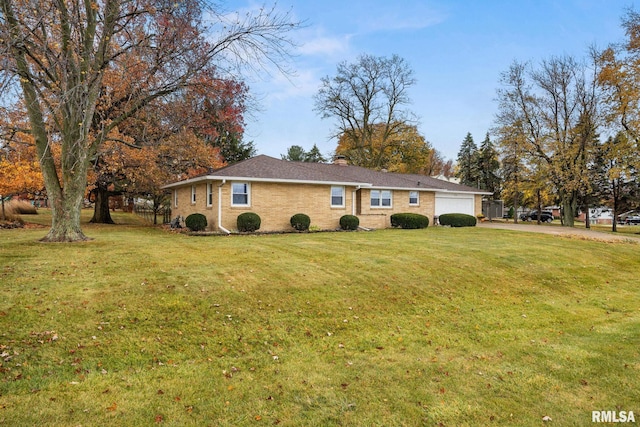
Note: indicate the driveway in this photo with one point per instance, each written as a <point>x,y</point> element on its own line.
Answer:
<point>580,233</point>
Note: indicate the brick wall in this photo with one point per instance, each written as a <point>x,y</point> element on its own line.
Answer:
<point>275,203</point>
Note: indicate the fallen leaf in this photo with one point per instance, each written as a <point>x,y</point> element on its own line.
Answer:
<point>159,418</point>
<point>258,417</point>
<point>113,407</point>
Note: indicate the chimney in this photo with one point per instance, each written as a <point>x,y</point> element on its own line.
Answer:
<point>340,160</point>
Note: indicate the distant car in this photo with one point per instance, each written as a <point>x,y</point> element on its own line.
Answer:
<point>632,220</point>
<point>545,216</point>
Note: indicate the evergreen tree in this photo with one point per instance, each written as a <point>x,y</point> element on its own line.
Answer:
<point>314,155</point>
<point>295,153</point>
<point>488,166</point>
<point>468,171</point>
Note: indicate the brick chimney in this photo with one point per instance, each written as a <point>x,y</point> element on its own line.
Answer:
<point>340,160</point>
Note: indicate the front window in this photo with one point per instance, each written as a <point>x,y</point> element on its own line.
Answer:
<point>175,198</point>
<point>337,197</point>
<point>193,194</point>
<point>413,198</point>
<point>240,194</point>
<point>380,198</point>
<point>209,194</point>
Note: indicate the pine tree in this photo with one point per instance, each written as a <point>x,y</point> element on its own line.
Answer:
<point>467,170</point>
<point>488,166</point>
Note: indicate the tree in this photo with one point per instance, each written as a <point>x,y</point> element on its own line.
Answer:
<point>488,166</point>
<point>615,176</point>
<point>556,107</point>
<point>406,152</point>
<point>314,155</point>
<point>367,100</point>
<point>511,140</point>
<point>58,54</point>
<point>468,170</point>
<point>295,153</point>
<point>202,111</point>
<point>619,77</point>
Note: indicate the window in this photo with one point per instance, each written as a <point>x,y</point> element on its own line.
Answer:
<point>240,194</point>
<point>209,194</point>
<point>193,194</point>
<point>337,197</point>
<point>380,198</point>
<point>413,198</point>
<point>175,198</point>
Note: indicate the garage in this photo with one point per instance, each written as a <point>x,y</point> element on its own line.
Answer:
<point>454,203</point>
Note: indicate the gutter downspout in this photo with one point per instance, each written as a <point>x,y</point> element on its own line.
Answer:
<point>224,181</point>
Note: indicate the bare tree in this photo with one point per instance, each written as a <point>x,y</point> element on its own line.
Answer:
<point>57,53</point>
<point>368,99</point>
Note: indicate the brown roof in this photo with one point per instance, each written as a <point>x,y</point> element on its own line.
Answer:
<point>265,168</point>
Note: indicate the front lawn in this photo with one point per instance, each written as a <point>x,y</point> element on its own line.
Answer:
<point>440,326</point>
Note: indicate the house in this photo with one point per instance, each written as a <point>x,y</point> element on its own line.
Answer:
<point>277,189</point>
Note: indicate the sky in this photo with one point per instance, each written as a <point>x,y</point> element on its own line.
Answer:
<point>456,48</point>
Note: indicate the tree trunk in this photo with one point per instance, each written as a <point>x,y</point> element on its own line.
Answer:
<point>569,206</point>
<point>101,213</point>
<point>587,218</point>
<point>65,214</point>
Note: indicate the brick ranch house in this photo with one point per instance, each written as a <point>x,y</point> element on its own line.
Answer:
<point>277,189</point>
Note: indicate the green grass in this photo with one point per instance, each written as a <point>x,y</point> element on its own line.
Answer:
<point>439,326</point>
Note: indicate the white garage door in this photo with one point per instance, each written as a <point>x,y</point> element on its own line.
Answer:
<point>454,203</point>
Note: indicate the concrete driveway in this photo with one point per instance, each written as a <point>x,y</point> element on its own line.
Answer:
<point>581,233</point>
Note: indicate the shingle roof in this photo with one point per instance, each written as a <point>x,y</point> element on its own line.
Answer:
<point>265,168</point>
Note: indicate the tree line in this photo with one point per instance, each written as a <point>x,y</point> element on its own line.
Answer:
<point>567,132</point>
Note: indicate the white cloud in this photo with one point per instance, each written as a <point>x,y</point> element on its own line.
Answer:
<point>319,44</point>
<point>389,17</point>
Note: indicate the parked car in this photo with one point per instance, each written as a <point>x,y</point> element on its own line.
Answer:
<point>545,216</point>
<point>632,220</point>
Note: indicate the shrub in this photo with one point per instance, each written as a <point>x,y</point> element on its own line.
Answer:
<point>20,207</point>
<point>457,220</point>
<point>349,222</point>
<point>409,220</point>
<point>300,222</point>
<point>196,222</point>
<point>248,222</point>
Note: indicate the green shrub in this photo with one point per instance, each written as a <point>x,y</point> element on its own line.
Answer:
<point>349,222</point>
<point>248,222</point>
<point>300,222</point>
<point>196,222</point>
<point>457,220</point>
<point>409,220</point>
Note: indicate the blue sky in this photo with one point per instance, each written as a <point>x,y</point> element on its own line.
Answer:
<point>457,49</point>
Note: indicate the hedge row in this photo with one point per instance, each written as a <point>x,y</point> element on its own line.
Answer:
<point>250,222</point>
<point>409,220</point>
<point>457,220</point>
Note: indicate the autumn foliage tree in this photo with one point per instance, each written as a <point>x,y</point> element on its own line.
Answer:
<point>205,114</point>
<point>405,151</point>
<point>57,54</point>
<point>555,107</point>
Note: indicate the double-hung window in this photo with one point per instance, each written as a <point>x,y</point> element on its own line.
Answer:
<point>240,194</point>
<point>209,194</point>
<point>175,198</point>
<point>193,194</point>
<point>380,198</point>
<point>337,197</point>
<point>414,198</point>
